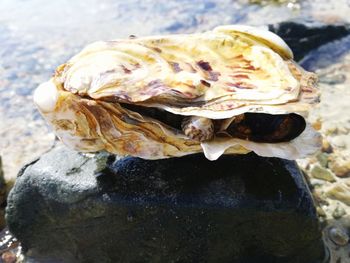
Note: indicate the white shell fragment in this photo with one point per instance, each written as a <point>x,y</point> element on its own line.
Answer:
<point>128,96</point>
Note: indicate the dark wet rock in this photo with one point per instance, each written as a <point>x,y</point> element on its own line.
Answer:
<point>327,56</point>
<point>67,207</point>
<point>305,37</point>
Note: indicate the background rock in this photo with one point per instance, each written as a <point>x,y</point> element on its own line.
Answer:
<point>69,207</point>
<point>304,37</point>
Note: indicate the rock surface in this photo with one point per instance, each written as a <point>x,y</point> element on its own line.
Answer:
<point>302,38</point>
<point>69,207</point>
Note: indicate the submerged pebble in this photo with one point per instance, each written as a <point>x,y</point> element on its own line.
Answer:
<point>321,212</point>
<point>338,236</point>
<point>338,212</point>
<point>340,164</point>
<point>340,192</point>
<point>8,257</point>
<point>326,146</point>
<point>322,173</point>
<point>322,158</point>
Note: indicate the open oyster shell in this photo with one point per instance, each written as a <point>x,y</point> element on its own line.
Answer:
<point>127,96</point>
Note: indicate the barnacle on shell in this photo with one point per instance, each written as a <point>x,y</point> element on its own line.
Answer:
<point>132,96</point>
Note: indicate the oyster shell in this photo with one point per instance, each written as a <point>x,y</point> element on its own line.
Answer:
<point>131,96</point>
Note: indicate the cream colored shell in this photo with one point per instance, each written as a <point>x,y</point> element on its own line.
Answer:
<point>216,74</point>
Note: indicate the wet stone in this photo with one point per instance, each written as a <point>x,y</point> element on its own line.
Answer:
<point>339,191</point>
<point>322,158</point>
<point>322,173</point>
<point>338,212</point>
<point>340,164</point>
<point>70,207</point>
<point>8,257</point>
<point>305,37</point>
<point>338,236</point>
